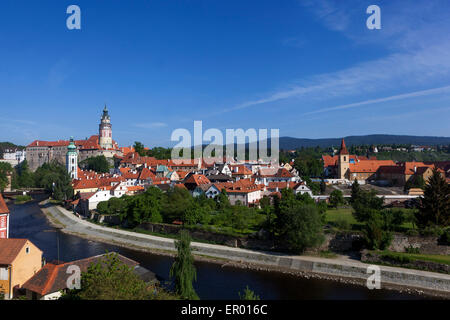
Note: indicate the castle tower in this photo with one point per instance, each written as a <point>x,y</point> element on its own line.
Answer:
<point>105,132</point>
<point>72,160</point>
<point>344,161</point>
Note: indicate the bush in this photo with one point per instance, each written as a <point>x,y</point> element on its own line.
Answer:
<point>342,224</point>
<point>302,228</point>
<point>432,230</point>
<point>375,237</point>
<point>248,295</point>
<point>412,249</point>
<point>445,237</point>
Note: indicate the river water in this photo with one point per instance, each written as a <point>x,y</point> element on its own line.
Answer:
<point>213,280</point>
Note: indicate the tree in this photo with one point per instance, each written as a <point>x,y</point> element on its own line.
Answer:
<point>5,170</point>
<point>98,164</point>
<point>222,200</point>
<point>111,279</point>
<point>323,186</point>
<point>139,148</point>
<point>375,237</point>
<point>183,269</point>
<point>356,192</point>
<point>248,295</point>
<point>435,204</point>
<point>301,228</point>
<point>416,181</point>
<point>55,179</point>
<point>365,204</point>
<point>336,198</point>
<point>24,175</point>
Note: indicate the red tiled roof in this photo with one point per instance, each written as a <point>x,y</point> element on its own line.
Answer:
<point>369,165</point>
<point>3,206</point>
<point>241,170</point>
<point>53,278</point>
<point>146,173</point>
<point>9,249</point>
<point>197,179</point>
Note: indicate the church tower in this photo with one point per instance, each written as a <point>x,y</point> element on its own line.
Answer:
<point>105,132</point>
<point>344,161</point>
<point>72,160</point>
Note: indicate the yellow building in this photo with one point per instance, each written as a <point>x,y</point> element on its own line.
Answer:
<point>20,259</point>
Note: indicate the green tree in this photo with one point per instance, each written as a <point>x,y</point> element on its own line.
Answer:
<point>375,237</point>
<point>139,148</point>
<point>24,175</point>
<point>5,170</point>
<point>356,192</point>
<point>365,204</point>
<point>183,269</point>
<point>435,204</point>
<point>323,186</point>
<point>301,228</point>
<point>248,295</point>
<point>98,164</point>
<point>111,279</point>
<point>55,179</point>
<point>336,198</point>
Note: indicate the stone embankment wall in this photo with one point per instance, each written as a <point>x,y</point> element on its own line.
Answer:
<point>372,257</point>
<point>426,245</point>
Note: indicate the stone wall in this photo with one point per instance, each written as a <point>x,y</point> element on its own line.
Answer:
<point>426,245</point>
<point>232,241</point>
<point>371,257</point>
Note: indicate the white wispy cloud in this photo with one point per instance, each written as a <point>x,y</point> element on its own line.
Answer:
<point>415,94</point>
<point>419,56</point>
<point>151,125</point>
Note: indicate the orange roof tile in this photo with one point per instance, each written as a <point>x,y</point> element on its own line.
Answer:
<point>3,206</point>
<point>9,249</point>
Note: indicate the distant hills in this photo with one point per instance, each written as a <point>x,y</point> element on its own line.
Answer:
<point>289,143</point>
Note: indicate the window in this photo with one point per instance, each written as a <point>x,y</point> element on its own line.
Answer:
<point>3,273</point>
<point>27,249</point>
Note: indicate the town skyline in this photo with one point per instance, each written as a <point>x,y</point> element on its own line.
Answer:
<point>157,70</point>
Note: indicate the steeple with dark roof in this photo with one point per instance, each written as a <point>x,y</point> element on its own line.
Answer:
<point>343,148</point>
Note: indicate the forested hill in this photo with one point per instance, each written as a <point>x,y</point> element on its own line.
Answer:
<point>288,143</point>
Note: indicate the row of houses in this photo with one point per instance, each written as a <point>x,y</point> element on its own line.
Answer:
<point>246,182</point>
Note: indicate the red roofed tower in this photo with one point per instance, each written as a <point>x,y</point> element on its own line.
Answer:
<point>344,161</point>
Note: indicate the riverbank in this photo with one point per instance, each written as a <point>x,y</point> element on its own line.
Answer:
<point>346,271</point>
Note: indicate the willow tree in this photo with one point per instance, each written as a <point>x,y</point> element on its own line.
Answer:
<point>183,269</point>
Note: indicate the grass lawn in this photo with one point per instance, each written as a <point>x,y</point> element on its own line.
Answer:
<point>340,214</point>
<point>335,216</point>
<point>445,259</point>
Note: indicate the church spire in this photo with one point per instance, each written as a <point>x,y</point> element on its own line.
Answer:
<point>343,147</point>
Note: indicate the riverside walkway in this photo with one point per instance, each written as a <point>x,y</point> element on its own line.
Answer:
<point>335,268</point>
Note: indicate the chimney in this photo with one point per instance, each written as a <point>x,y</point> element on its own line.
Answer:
<point>415,169</point>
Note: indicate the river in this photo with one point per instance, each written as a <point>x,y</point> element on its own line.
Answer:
<point>213,280</point>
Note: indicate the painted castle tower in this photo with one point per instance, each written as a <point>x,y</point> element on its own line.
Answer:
<point>105,132</point>
<point>72,160</point>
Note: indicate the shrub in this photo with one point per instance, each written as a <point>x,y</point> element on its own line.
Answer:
<point>342,224</point>
<point>445,237</point>
<point>248,295</point>
<point>374,235</point>
<point>412,249</point>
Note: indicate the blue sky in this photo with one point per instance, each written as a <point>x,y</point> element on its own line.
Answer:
<point>310,68</point>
